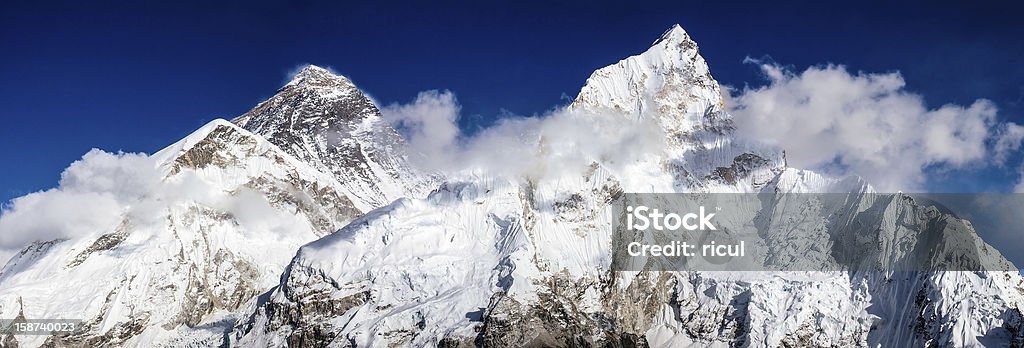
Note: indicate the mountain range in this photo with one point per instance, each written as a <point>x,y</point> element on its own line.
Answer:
<point>307,222</point>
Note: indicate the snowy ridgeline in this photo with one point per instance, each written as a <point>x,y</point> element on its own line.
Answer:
<point>302,223</point>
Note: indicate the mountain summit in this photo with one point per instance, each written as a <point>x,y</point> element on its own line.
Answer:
<point>671,84</point>
<point>324,120</point>
<point>674,34</point>
<point>312,75</point>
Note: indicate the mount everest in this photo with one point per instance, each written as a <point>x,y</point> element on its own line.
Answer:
<point>305,222</point>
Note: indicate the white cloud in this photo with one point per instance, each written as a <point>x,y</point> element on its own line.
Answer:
<point>429,123</point>
<point>1008,141</point>
<point>98,191</point>
<point>835,121</point>
<point>1018,187</point>
<point>126,176</point>
<point>93,194</point>
<point>556,142</point>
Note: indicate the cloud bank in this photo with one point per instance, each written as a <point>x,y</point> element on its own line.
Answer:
<point>825,117</point>
<point>838,122</point>
<point>429,123</point>
<point>1007,142</point>
<point>92,194</point>
<point>557,142</point>
<point>96,193</point>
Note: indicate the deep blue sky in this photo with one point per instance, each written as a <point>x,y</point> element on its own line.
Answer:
<point>123,76</point>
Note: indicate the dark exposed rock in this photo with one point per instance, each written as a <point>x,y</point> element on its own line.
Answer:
<point>323,120</point>
<point>741,166</point>
<point>556,321</point>
<point>105,242</point>
<point>306,310</point>
<point>214,150</point>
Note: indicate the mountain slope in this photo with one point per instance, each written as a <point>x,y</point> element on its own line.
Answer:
<point>188,253</point>
<point>496,260</point>
<point>221,221</point>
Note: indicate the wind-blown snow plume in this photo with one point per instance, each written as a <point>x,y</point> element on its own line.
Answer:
<point>557,142</point>
<point>865,124</point>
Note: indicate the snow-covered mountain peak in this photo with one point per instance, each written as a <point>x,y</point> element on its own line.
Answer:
<point>313,70</point>
<point>670,78</point>
<point>324,120</point>
<point>234,202</point>
<point>671,84</point>
<point>674,34</point>
<point>315,76</point>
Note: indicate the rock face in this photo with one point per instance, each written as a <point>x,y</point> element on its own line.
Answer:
<point>219,228</point>
<point>300,224</point>
<point>325,121</point>
<point>509,261</point>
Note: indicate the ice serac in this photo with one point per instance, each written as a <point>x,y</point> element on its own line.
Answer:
<point>324,120</point>
<point>502,260</point>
